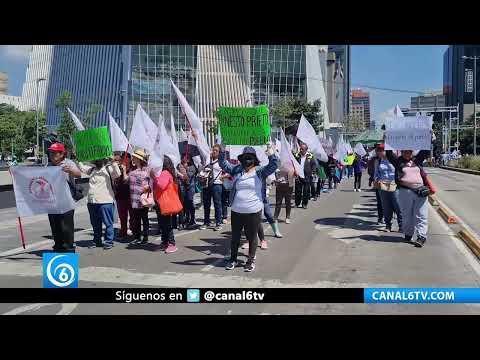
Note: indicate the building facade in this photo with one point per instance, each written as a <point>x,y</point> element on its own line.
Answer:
<point>429,100</point>
<point>362,97</point>
<point>343,69</point>
<point>12,100</point>
<point>3,83</point>
<point>357,115</point>
<point>118,77</point>
<point>458,78</point>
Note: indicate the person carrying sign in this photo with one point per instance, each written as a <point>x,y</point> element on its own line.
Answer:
<point>62,225</point>
<point>302,186</point>
<point>247,196</point>
<point>101,199</point>
<point>413,192</point>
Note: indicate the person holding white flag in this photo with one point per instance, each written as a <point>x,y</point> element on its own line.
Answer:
<point>119,140</point>
<point>307,135</point>
<point>144,131</point>
<point>303,185</point>
<point>62,225</point>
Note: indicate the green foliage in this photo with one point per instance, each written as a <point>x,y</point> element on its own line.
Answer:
<point>19,128</point>
<point>89,116</point>
<point>287,113</point>
<point>466,162</point>
<point>67,127</point>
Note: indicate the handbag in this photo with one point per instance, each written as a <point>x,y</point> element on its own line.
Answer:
<point>169,200</point>
<point>428,183</point>
<point>422,191</point>
<point>389,186</point>
<point>147,200</point>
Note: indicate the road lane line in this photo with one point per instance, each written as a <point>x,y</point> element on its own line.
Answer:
<point>26,308</point>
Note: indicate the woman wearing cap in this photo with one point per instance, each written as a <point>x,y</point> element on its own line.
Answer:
<point>384,180</point>
<point>139,180</point>
<point>247,199</point>
<point>101,199</point>
<point>409,176</point>
<point>62,225</point>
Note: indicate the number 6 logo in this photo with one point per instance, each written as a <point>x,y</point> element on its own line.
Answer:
<point>66,275</point>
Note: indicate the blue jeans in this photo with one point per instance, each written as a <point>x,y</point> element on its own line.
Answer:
<point>268,211</point>
<point>101,213</point>
<point>215,192</point>
<point>390,204</point>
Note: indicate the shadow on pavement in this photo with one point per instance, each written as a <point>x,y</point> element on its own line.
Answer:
<point>381,238</point>
<point>355,224</point>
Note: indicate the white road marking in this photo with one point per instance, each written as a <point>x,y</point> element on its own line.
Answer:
<point>67,309</point>
<point>26,308</point>
<point>111,275</point>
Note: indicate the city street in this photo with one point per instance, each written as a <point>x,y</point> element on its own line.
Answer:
<point>334,243</point>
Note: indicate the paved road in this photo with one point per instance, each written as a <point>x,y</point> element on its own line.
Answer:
<point>335,243</point>
<point>460,192</point>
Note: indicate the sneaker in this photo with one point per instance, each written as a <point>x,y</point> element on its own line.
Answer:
<point>250,266</point>
<point>388,228</point>
<point>135,242</point>
<point>107,246</point>
<point>355,190</point>
<point>263,245</point>
<point>231,265</point>
<point>204,226</point>
<point>304,207</point>
<point>163,246</point>
<point>245,246</point>
<point>420,241</point>
<point>380,222</point>
<point>288,221</point>
<point>171,249</point>
<point>94,244</point>
<point>143,242</point>
<point>218,228</point>
<point>408,238</point>
<point>359,190</point>
<point>225,221</point>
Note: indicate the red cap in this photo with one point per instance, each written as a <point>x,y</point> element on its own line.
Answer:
<point>57,147</point>
<point>380,146</point>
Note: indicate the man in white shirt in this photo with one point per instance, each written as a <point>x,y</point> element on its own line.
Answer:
<point>303,186</point>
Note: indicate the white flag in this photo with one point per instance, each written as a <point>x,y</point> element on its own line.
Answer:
<point>398,112</point>
<point>183,136</point>
<point>76,120</point>
<point>360,150</point>
<point>348,147</point>
<point>41,190</point>
<point>119,140</point>
<point>287,160</point>
<point>173,135</point>
<point>144,131</point>
<point>306,134</point>
<point>163,146</point>
<point>219,136</point>
<point>193,119</point>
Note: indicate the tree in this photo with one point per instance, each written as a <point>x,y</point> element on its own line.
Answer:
<point>89,116</point>
<point>287,113</point>
<point>67,126</point>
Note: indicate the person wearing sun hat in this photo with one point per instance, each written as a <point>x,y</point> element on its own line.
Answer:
<point>62,225</point>
<point>140,183</point>
<point>247,199</point>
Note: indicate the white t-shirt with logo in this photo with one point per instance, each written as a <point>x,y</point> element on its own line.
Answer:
<point>248,196</point>
<point>216,172</point>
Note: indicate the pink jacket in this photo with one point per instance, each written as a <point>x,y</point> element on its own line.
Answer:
<point>163,180</point>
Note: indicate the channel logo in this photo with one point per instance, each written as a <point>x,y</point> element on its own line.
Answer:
<point>60,270</point>
<point>193,295</point>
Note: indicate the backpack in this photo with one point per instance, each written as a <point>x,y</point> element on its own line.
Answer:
<point>205,177</point>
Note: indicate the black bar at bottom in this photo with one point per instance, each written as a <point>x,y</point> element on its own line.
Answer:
<point>179,295</point>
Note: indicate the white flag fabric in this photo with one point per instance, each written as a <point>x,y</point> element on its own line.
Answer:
<point>348,147</point>
<point>183,136</point>
<point>163,146</point>
<point>144,131</point>
<point>119,140</point>
<point>219,136</point>
<point>360,150</point>
<point>287,160</point>
<point>193,119</point>
<point>76,120</point>
<point>278,145</point>
<point>173,135</point>
<point>341,151</point>
<point>306,134</point>
<point>41,190</point>
<point>398,112</point>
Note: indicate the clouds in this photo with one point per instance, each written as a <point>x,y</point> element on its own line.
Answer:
<point>15,52</point>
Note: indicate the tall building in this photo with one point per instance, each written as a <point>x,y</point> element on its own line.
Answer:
<point>118,77</point>
<point>458,78</point>
<point>3,83</point>
<point>335,98</point>
<point>362,97</point>
<point>39,63</point>
<point>434,99</point>
<point>357,116</point>
<point>343,60</point>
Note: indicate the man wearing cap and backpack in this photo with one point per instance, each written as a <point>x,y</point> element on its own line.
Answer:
<point>62,225</point>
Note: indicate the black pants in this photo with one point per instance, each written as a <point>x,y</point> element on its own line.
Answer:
<point>283,191</point>
<point>140,216</point>
<point>379,205</point>
<point>302,191</point>
<point>62,231</point>
<point>249,222</point>
<point>332,179</point>
<point>166,224</point>
<point>358,181</point>
<point>320,186</point>
<point>313,189</point>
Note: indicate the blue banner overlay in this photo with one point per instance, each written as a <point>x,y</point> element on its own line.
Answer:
<point>422,295</point>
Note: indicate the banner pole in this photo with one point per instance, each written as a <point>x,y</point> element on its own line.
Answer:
<point>22,236</point>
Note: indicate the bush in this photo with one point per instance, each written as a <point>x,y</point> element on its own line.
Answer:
<point>468,162</point>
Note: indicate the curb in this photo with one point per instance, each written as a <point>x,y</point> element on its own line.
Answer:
<point>470,240</point>
<point>466,171</point>
<point>447,215</point>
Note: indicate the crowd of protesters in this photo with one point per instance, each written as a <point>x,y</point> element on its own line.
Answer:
<point>125,185</point>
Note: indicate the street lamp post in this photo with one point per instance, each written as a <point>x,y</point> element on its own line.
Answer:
<point>474,58</point>
<point>36,118</point>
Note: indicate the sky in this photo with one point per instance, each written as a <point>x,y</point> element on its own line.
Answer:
<point>411,67</point>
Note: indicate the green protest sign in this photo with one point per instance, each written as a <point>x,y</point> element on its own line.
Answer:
<point>244,125</point>
<point>92,144</point>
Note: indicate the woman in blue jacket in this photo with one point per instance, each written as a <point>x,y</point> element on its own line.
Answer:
<point>246,198</point>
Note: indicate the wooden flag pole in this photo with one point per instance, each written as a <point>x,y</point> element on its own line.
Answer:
<point>22,236</point>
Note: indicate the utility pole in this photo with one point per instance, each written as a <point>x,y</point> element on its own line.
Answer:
<point>474,58</point>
